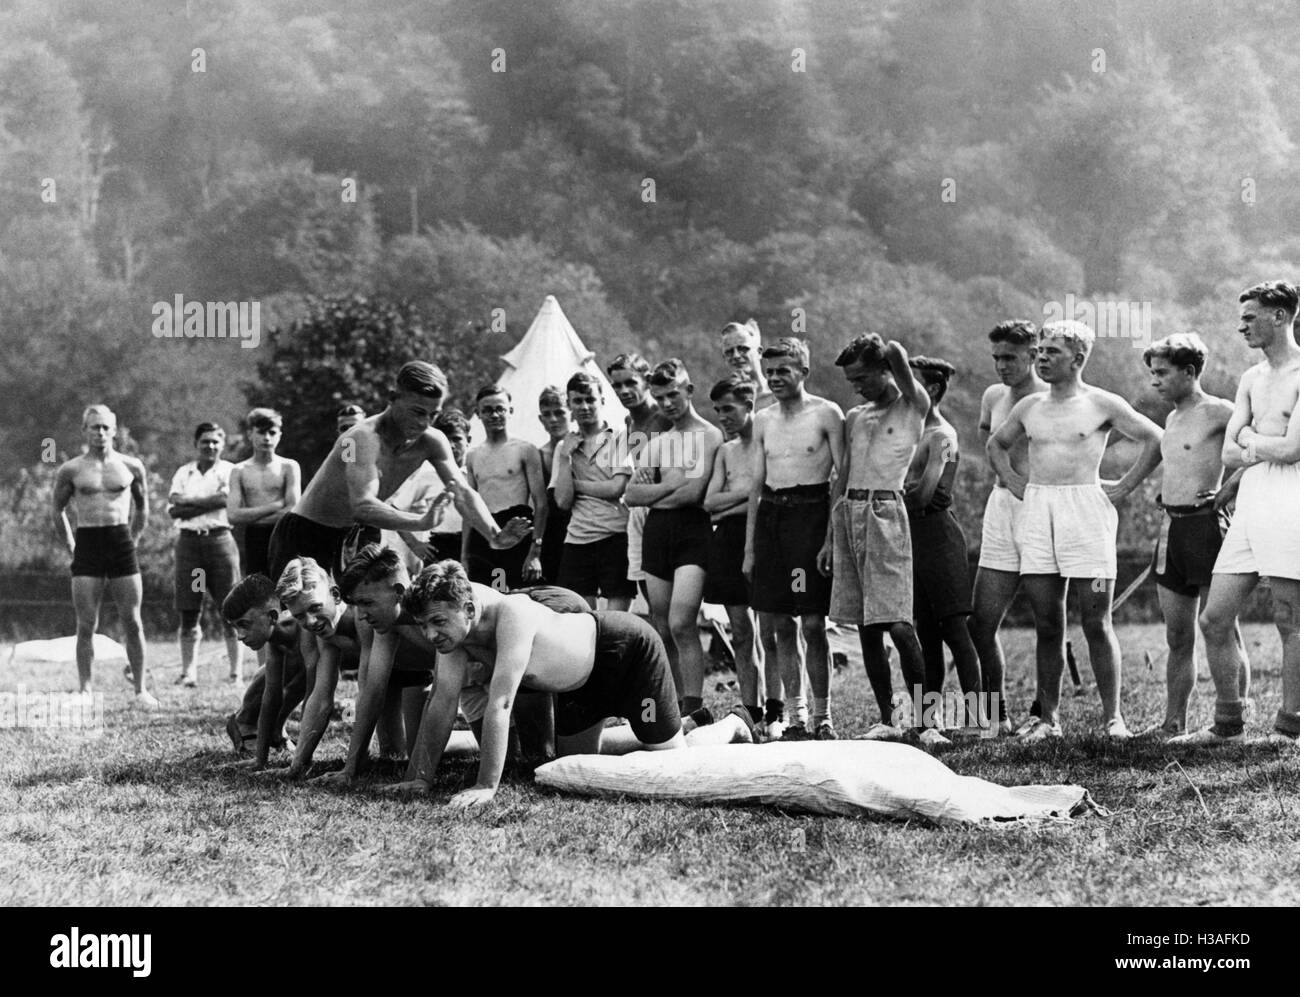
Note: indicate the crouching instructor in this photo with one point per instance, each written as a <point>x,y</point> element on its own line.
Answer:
<point>367,464</point>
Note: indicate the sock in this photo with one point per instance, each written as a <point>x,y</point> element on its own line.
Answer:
<point>1228,721</point>
<point>701,716</point>
<point>821,708</point>
<point>775,711</point>
<point>690,704</point>
<point>798,711</point>
<point>755,713</point>
<point>1287,723</point>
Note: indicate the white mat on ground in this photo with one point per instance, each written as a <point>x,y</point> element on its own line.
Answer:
<point>847,778</point>
<point>64,650</point>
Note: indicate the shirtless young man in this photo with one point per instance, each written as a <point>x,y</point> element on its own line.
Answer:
<point>1194,497</point>
<point>508,474</point>
<point>109,493</point>
<point>997,578</point>
<point>553,414</point>
<point>742,347</point>
<point>1068,522</point>
<point>1263,436</point>
<point>628,376</point>
<point>671,478</point>
<point>367,464</point>
<point>798,443</point>
<point>868,546</point>
<point>941,592</point>
<point>262,489</point>
<point>599,665</point>
<point>727,502</point>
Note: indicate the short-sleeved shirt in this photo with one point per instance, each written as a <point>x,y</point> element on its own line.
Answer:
<point>191,483</point>
<point>600,458</point>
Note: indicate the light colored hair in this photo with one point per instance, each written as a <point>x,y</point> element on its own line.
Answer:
<point>90,409</point>
<point>300,574</point>
<point>1078,336</point>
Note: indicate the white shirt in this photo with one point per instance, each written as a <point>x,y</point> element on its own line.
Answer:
<point>190,483</point>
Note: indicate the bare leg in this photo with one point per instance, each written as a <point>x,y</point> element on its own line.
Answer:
<point>787,652</point>
<point>772,682</point>
<point>618,604</point>
<point>190,637</point>
<point>659,596</point>
<point>86,595</point>
<point>234,653</point>
<point>683,625</point>
<point>748,655</point>
<point>1228,594</point>
<point>1286,615</point>
<point>392,739</point>
<point>128,593</point>
<point>819,663</point>
<point>1095,596</point>
<point>1180,670</point>
<point>872,640</point>
<point>602,740</point>
<point>1047,597</point>
<point>994,591</point>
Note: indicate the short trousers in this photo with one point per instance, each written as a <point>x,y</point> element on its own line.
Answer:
<point>1068,530</point>
<point>873,561</point>
<point>501,569</point>
<point>446,546</point>
<point>557,526</point>
<point>298,536</point>
<point>630,678</point>
<point>104,552</point>
<point>257,550</point>
<point>789,530</point>
<point>726,584</point>
<point>940,570</point>
<point>1183,561</point>
<point>204,564</point>
<point>1264,538</point>
<point>636,516</point>
<point>1000,538</point>
<point>598,568</point>
<point>675,538</point>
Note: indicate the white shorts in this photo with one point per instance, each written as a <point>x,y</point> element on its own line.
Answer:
<point>1000,540</point>
<point>1264,538</point>
<point>635,528</point>
<point>1068,530</point>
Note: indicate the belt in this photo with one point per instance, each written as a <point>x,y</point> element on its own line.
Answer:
<point>204,533</point>
<point>1182,511</point>
<point>791,496</point>
<point>867,494</point>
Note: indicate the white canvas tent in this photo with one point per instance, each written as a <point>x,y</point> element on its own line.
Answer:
<point>550,352</point>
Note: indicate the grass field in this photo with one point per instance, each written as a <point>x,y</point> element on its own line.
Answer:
<point>149,811</point>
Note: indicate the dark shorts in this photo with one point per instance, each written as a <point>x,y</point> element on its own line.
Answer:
<point>726,584</point>
<point>412,666</point>
<point>630,678</point>
<point>789,530</point>
<point>298,536</point>
<point>104,552</point>
<point>501,569</point>
<point>1186,550</point>
<point>205,564</point>
<point>598,568</point>
<point>675,538</point>
<point>446,545</point>
<point>557,527</point>
<point>941,584</point>
<point>257,550</point>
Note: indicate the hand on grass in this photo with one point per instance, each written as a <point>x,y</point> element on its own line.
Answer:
<point>468,799</point>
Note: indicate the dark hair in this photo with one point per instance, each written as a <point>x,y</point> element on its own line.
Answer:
<point>671,371</point>
<point>934,371</point>
<point>249,593</point>
<point>788,346</point>
<point>491,389</point>
<point>1182,349</point>
<point>583,381</point>
<point>868,348</point>
<point>207,427</point>
<point>553,393</point>
<point>264,420</point>
<point>1017,332</point>
<point>351,408</point>
<point>733,384</point>
<point>372,563</point>
<point>451,419</point>
<point>422,378</point>
<point>1273,294</point>
<point>634,362</point>
<point>443,581</point>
